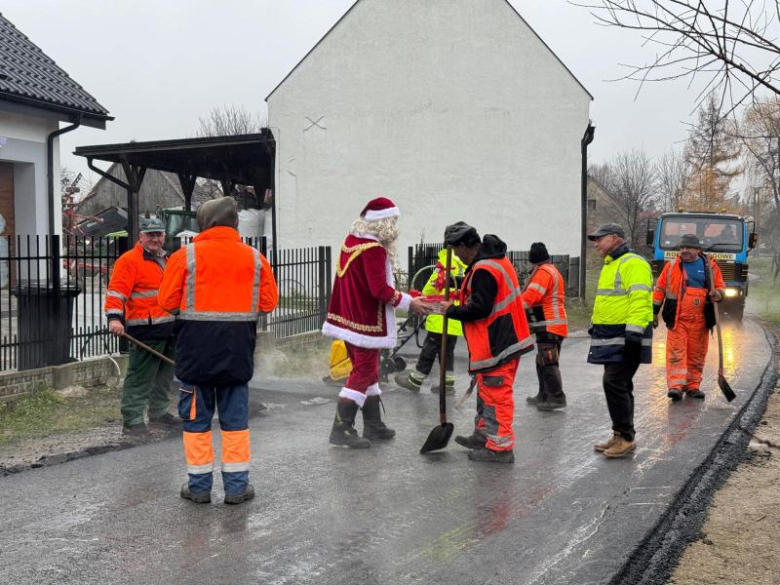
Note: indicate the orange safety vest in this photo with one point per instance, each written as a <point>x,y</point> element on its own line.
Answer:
<point>132,295</point>
<point>217,287</point>
<point>504,334</point>
<point>545,297</point>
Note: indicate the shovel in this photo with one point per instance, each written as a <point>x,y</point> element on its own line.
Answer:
<point>155,353</point>
<point>723,384</point>
<point>441,434</point>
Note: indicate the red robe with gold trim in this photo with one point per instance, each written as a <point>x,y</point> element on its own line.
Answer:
<point>362,305</point>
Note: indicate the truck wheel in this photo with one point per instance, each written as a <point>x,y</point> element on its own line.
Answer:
<point>734,311</point>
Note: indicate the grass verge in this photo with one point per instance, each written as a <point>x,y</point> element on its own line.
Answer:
<point>44,412</point>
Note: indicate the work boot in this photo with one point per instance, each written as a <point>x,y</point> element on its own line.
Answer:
<point>696,393</point>
<point>675,394</point>
<point>551,404</point>
<point>165,420</point>
<point>489,456</point>
<point>373,427</point>
<point>449,389</point>
<point>534,400</point>
<point>139,430</point>
<point>343,432</point>
<point>203,498</point>
<point>247,494</point>
<point>601,447</point>
<point>620,448</point>
<point>409,381</point>
<point>476,440</point>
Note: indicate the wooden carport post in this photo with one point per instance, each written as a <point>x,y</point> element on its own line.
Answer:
<point>135,177</point>
<point>187,183</point>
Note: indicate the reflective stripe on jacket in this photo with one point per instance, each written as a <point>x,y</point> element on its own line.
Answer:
<point>218,287</point>
<point>670,288</point>
<point>623,306</point>
<point>132,295</point>
<point>435,323</point>
<point>545,297</point>
<point>504,334</point>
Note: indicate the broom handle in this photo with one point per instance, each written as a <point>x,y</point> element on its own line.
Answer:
<point>444,340</point>
<point>717,314</point>
<point>154,352</point>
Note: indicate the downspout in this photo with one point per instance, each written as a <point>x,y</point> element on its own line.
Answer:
<point>50,165</point>
<point>587,138</point>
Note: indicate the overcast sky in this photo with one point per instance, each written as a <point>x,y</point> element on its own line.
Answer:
<point>158,65</point>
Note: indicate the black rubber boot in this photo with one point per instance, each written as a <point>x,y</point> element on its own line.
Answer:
<point>373,427</point>
<point>552,403</point>
<point>488,456</point>
<point>674,394</point>
<point>247,494</point>
<point>476,440</point>
<point>343,433</point>
<point>203,498</point>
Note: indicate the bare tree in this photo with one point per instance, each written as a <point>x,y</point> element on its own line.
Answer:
<point>712,155</point>
<point>672,180</point>
<point>759,133</point>
<point>633,187</point>
<point>732,45</point>
<point>226,120</point>
<point>229,120</point>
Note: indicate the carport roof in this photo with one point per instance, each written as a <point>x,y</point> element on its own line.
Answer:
<point>236,158</point>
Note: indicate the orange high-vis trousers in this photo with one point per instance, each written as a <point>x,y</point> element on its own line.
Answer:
<point>496,406</point>
<point>686,344</point>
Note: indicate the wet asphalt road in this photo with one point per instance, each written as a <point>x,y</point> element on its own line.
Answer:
<point>561,515</point>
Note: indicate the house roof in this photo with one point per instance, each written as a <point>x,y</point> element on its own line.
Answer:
<point>340,20</point>
<point>29,77</point>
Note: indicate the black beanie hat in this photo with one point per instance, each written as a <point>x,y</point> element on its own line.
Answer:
<point>538,253</point>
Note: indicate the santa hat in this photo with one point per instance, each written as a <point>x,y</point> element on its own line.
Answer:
<point>379,208</point>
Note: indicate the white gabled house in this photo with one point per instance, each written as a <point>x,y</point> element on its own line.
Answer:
<point>455,109</point>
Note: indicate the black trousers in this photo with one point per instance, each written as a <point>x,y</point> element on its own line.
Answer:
<point>619,390</point>
<point>431,349</point>
<point>547,369</point>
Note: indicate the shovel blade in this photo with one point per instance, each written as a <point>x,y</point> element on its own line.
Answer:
<point>728,393</point>
<point>438,438</point>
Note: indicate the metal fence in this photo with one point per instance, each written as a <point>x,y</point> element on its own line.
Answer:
<point>422,257</point>
<point>303,278</point>
<point>52,291</point>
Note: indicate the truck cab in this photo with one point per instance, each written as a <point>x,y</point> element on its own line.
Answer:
<point>725,237</point>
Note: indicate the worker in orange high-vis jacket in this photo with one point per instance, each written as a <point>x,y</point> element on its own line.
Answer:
<point>497,334</point>
<point>131,306</point>
<point>684,295</point>
<point>545,296</point>
<point>218,287</point>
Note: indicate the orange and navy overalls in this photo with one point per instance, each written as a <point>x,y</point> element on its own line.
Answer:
<point>684,301</point>
<point>217,287</point>
<point>132,299</point>
<point>545,299</point>
<point>497,335</point>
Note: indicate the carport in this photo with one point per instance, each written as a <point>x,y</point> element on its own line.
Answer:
<point>247,159</point>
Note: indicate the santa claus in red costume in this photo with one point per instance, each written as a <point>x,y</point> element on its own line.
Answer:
<point>362,314</point>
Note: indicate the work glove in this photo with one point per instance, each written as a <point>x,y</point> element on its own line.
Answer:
<point>633,349</point>
<point>717,296</point>
<point>655,321</point>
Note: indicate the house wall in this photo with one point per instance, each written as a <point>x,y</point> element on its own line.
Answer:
<point>25,148</point>
<point>453,108</point>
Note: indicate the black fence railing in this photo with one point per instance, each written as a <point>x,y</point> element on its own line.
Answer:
<point>422,257</point>
<point>303,278</point>
<point>52,292</point>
